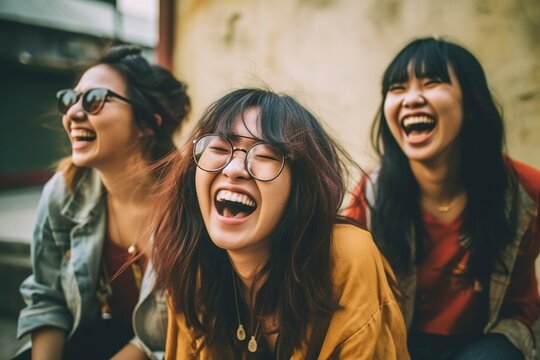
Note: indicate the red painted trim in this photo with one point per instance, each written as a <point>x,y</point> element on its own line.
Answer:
<point>19,180</point>
<point>164,48</point>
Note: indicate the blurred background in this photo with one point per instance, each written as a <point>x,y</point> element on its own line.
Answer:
<point>330,54</point>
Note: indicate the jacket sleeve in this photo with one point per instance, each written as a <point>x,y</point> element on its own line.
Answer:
<point>522,300</point>
<point>521,305</point>
<point>378,338</point>
<point>520,308</point>
<point>370,324</point>
<point>42,291</point>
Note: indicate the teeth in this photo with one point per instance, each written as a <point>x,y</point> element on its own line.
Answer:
<point>82,133</point>
<point>226,195</point>
<point>412,120</point>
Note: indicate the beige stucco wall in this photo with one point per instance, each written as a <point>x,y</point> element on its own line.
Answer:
<point>331,55</point>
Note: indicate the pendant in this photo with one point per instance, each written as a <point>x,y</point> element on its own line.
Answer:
<point>240,332</point>
<point>252,344</point>
<point>444,209</point>
<point>132,249</point>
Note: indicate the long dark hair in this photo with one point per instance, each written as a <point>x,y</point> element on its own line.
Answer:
<point>152,90</point>
<point>488,178</point>
<point>297,285</point>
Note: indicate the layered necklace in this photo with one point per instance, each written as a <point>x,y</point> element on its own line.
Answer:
<point>240,331</point>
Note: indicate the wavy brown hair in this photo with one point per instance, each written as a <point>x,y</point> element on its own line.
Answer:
<point>153,90</point>
<point>297,285</point>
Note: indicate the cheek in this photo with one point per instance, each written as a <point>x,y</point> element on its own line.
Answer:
<point>202,188</point>
<point>65,123</point>
<point>454,110</point>
<point>279,194</point>
<point>390,110</point>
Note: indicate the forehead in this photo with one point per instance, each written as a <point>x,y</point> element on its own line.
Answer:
<point>422,62</point>
<point>101,76</point>
<point>247,124</point>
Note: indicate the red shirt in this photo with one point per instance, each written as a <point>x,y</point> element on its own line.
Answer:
<point>125,290</point>
<point>521,300</point>
<point>445,302</point>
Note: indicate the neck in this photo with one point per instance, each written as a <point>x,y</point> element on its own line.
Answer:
<point>128,184</point>
<point>439,182</point>
<point>129,205</point>
<point>246,266</point>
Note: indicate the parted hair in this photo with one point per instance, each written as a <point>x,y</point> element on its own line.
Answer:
<point>489,180</point>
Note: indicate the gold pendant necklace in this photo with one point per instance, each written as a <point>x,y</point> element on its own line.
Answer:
<point>444,209</point>
<point>132,250</point>
<point>240,331</point>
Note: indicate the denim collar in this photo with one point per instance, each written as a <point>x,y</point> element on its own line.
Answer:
<point>82,205</point>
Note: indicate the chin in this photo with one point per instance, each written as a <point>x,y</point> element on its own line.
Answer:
<point>225,243</point>
<point>80,162</point>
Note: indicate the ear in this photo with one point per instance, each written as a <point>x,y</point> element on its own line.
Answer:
<point>158,120</point>
<point>148,130</point>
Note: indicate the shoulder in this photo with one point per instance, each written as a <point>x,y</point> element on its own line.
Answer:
<point>529,178</point>
<point>369,318</point>
<point>356,258</point>
<point>56,197</point>
<point>350,241</point>
<point>55,193</point>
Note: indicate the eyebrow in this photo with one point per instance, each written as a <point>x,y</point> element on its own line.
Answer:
<point>239,137</point>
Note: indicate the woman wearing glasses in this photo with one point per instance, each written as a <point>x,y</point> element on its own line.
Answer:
<point>90,280</point>
<point>250,248</point>
<point>457,218</point>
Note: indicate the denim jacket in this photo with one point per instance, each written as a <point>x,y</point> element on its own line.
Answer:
<point>516,332</point>
<point>66,256</point>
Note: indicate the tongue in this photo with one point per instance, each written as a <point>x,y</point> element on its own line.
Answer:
<point>416,137</point>
<point>232,214</point>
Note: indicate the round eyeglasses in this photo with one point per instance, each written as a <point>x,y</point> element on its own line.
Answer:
<point>263,161</point>
<point>92,99</point>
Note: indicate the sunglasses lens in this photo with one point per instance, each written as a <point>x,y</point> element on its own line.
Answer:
<point>93,100</point>
<point>66,99</point>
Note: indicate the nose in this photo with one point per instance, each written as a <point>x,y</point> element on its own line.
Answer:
<point>236,168</point>
<point>75,112</point>
<point>413,98</point>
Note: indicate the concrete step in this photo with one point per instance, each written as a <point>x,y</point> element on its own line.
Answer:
<point>15,266</point>
<point>8,332</point>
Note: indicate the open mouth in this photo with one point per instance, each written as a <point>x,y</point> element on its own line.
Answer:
<point>416,125</point>
<point>234,205</point>
<point>82,135</point>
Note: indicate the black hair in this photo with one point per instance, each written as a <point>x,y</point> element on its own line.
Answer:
<point>489,180</point>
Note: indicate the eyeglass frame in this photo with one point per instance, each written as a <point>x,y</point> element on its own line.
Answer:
<point>80,95</point>
<point>246,151</point>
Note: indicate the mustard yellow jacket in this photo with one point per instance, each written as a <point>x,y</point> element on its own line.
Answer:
<point>369,326</point>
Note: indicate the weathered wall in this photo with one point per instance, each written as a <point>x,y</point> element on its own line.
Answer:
<point>331,55</point>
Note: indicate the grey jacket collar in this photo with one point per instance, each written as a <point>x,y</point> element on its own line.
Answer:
<point>81,206</point>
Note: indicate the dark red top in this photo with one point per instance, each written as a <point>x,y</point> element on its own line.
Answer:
<point>125,290</point>
<point>521,301</point>
<point>445,302</point>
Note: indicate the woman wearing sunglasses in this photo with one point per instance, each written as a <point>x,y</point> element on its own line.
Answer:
<point>90,280</point>
<point>454,215</point>
<point>262,266</point>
